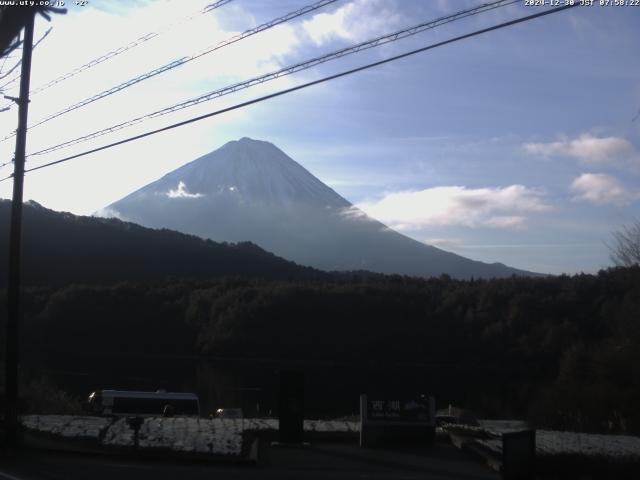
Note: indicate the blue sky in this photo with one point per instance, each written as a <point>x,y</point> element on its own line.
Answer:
<point>518,146</point>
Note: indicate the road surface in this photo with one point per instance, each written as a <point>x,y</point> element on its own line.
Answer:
<point>322,461</point>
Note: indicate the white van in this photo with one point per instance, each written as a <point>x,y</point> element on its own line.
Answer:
<point>148,404</point>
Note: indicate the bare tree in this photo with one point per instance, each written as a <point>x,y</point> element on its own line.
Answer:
<point>625,250</point>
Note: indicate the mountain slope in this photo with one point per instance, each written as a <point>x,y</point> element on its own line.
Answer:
<point>251,190</point>
<point>61,248</point>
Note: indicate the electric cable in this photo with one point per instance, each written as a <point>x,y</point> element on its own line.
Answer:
<point>179,62</point>
<point>308,84</point>
<point>124,48</point>
<point>406,32</point>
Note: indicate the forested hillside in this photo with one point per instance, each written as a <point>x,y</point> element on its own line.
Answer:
<point>61,248</point>
<point>571,341</point>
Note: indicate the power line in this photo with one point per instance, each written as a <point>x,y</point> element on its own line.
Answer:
<point>127,47</point>
<point>116,52</point>
<point>2,87</point>
<point>305,85</point>
<point>2,165</point>
<point>406,32</point>
<point>4,62</point>
<point>264,26</point>
<point>8,72</point>
<point>182,61</point>
<point>111,91</point>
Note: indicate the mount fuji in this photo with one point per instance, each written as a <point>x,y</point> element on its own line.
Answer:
<point>250,190</point>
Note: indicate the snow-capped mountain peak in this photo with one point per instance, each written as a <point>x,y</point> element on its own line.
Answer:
<point>251,190</point>
<point>255,171</point>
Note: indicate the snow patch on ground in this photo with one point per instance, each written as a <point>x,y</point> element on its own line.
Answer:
<point>68,426</point>
<point>217,436</point>
<point>261,424</point>
<point>550,442</point>
<point>503,426</point>
<point>119,434</point>
<point>556,443</point>
<point>337,426</point>
<point>331,426</point>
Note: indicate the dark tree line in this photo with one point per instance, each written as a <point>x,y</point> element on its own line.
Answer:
<point>571,341</point>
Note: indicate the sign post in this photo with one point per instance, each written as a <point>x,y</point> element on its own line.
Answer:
<point>291,413</point>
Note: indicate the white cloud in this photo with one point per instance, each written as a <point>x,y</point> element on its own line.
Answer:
<point>601,189</point>
<point>242,60</point>
<point>356,21</point>
<point>181,192</point>
<point>109,213</point>
<point>590,150</point>
<point>445,243</point>
<point>250,57</point>
<point>456,205</point>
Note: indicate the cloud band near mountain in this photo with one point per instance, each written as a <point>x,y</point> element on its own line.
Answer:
<point>506,207</point>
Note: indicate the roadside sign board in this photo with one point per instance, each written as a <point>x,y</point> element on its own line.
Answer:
<point>382,418</point>
<point>399,410</point>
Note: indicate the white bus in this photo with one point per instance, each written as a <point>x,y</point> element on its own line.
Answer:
<point>149,404</point>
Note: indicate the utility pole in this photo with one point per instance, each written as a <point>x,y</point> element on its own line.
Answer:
<point>15,237</point>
